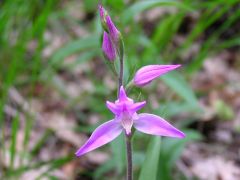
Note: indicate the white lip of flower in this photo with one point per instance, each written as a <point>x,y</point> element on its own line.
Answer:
<point>127,121</point>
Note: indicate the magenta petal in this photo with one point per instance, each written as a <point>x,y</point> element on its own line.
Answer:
<point>101,11</point>
<point>155,125</point>
<point>137,106</point>
<point>108,47</point>
<point>122,96</point>
<point>102,135</point>
<point>113,107</point>
<point>113,31</point>
<point>148,73</point>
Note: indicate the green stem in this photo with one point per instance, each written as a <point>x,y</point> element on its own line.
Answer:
<point>129,157</point>
<point>121,58</point>
<point>128,137</point>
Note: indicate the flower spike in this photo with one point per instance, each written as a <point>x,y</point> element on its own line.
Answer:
<point>111,35</point>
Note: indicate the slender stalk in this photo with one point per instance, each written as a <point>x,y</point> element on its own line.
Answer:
<point>121,73</point>
<point>129,157</point>
<point>128,137</point>
<point>121,58</point>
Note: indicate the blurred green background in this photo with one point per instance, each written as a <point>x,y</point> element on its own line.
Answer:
<point>54,82</point>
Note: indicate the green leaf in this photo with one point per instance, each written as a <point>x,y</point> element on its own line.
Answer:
<point>74,47</point>
<point>177,83</point>
<point>104,168</point>
<point>119,155</point>
<point>150,167</point>
<point>15,126</point>
<point>171,151</point>
<point>223,110</point>
<point>40,143</point>
<point>83,57</point>
<point>56,163</point>
<point>117,162</point>
<point>52,164</point>
<point>116,4</point>
<point>138,7</point>
<point>166,30</point>
<point>89,5</point>
<point>174,108</point>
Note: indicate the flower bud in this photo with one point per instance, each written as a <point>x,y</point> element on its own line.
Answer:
<point>102,11</point>
<point>103,14</point>
<point>147,74</point>
<point>108,47</point>
<point>113,31</point>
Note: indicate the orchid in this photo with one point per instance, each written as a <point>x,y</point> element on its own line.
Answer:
<point>125,111</point>
<point>146,74</point>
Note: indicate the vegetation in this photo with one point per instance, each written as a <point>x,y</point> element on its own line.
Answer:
<point>53,81</point>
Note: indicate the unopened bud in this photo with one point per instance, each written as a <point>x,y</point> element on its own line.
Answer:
<point>108,47</point>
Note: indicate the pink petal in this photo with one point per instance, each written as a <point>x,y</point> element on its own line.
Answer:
<point>108,47</point>
<point>113,107</point>
<point>113,31</point>
<point>155,125</point>
<point>101,11</point>
<point>127,122</point>
<point>122,96</point>
<point>137,106</point>
<point>101,136</point>
<point>148,73</point>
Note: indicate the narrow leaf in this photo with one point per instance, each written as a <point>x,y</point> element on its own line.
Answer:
<point>144,5</point>
<point>171,151</point>
<point>74,47</point>
<point>176,82</point>
<point>150,167</point>
<point>15,125</point>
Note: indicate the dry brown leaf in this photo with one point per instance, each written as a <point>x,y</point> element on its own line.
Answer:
<point>64,128</point>
<point>36,173</point>
<point>216,168</point>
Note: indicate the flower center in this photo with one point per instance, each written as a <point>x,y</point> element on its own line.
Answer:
<point>127,122</point>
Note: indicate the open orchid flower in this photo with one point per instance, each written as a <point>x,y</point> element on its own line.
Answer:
<point>146,74</point>
<point>125,111</point>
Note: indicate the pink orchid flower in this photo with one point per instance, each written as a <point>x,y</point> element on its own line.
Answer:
<point>146,74</point>
<point>125,111</point>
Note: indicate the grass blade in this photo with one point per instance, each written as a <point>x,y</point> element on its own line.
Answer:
<point>15,126</point>
<point>171,151</point>
<point>144,5</point>
<point>177,83</point>
<point>150,167</point>
<point>75,46</point>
